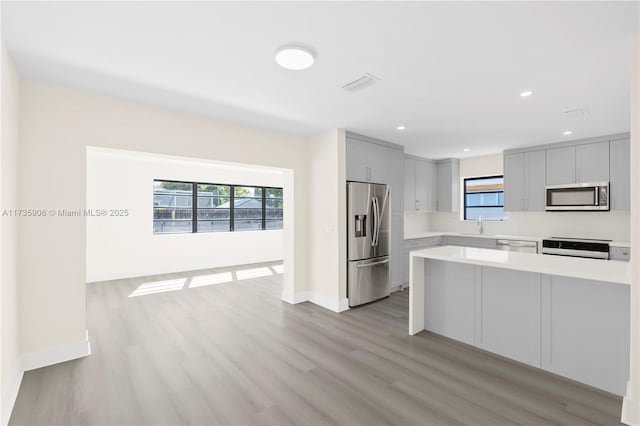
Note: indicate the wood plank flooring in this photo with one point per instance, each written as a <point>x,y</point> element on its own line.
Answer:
<point>219,347</point>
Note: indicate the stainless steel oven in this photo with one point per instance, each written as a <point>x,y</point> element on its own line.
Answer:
<point>578,197</point>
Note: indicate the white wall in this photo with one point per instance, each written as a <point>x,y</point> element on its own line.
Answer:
<point>608,225</point>
<point>327,224</point>
<point>11,372</point>
<point>57,126</point>
<point>631,402</point>
<point>120,247</point>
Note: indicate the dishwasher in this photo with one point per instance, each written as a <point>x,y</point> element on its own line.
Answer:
<point>523,246</point>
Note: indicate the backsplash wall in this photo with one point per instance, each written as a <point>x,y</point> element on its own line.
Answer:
<point>604,225</point>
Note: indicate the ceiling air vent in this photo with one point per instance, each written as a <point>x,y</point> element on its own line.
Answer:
<point>360,82</point>
<point>576,114</point>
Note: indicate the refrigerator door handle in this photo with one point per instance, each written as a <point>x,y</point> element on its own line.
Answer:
<point>376,218</point>
<point>365,265</point>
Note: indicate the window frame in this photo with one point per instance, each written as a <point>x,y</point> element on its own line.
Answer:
<point>464,196</point>
<point>232,198</point>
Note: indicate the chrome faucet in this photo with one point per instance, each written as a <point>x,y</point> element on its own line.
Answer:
<point>480,224</point>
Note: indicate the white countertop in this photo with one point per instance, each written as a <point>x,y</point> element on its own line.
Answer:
<point>588,269</point>
<point>496,236</point>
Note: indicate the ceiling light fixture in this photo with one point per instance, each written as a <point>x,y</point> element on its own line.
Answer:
<point>401,127</point>
<point>526,93</point>
<point>295,57</point>
<point>467,149</point>
<point>567,132</point>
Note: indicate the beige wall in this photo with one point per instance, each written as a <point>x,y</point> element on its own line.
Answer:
<point>327,228</point>
<point>481,166</point>
<point>9,122</point>
<point>58,124</point>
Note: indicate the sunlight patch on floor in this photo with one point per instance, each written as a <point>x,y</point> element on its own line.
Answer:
<point>211,279</point>
<point>159,287</point>
<point>246,274</point>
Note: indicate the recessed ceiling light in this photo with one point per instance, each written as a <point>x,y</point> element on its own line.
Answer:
<point>467,149</point>
<point>567,132</point>
<point>295,57</point>
<point>526,93</point>
<point>401,127</point>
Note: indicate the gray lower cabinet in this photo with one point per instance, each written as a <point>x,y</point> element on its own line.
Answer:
<point>416,244</point>
<point>397,250</point>
<point>575,328</point>
<point>480,242</point>
<point>510,314</point>
<point>586,331</point>
<point>449,300</point>
<point>620,174</point>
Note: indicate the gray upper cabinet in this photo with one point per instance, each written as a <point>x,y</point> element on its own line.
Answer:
<point>409,184</point>
<point>394,177</point>
<point>561,165</point>
<point>422,178</point>
<point>366,161</point>
<point>448,185</point>
<point>534,180</point>
<point>514,192</point>
<point>378,163</point>
<point>420,185</point>
<point>620,179</point>
<point>592,162</point>
<point>357,160</point>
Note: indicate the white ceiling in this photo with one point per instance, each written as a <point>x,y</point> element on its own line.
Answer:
<point>451,72</point>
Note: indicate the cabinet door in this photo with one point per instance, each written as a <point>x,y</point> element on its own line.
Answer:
<point>357,160</point>
<point>514,194</point>
<point>620,174</point>
<point>592,162</point>
<point>534,181</point>
<point>422,180</point>
<point>409,184</point>
<point>377,163</point>
<point>397,249</point>
<point>448,186</point>
<point>432,187</point>
<point>561,165</point>
<point>394,178</point>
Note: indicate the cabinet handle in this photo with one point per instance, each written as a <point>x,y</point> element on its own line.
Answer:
<point>525,204</point>
<point>522,203</point>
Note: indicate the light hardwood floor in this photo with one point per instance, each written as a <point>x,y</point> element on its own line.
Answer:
<point>232,353</point>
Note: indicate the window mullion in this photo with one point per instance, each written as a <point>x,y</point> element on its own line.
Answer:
<point>194,208</point>
<point>264,208</point>
<point>232,202</point>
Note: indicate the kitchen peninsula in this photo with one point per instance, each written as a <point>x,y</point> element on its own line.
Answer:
<point>569,316</point>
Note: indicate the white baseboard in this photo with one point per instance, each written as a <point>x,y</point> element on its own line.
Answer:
<point>56,354</point>
<point>630,409</point>
<point>294,298</point>
<point>38,359</point>
<point>340,305</point>
<point>10,392</point>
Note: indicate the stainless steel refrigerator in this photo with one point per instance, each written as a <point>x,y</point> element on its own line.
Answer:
<point>368,230</point>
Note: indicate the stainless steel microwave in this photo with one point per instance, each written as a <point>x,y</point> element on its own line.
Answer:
<point>578,197</point>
